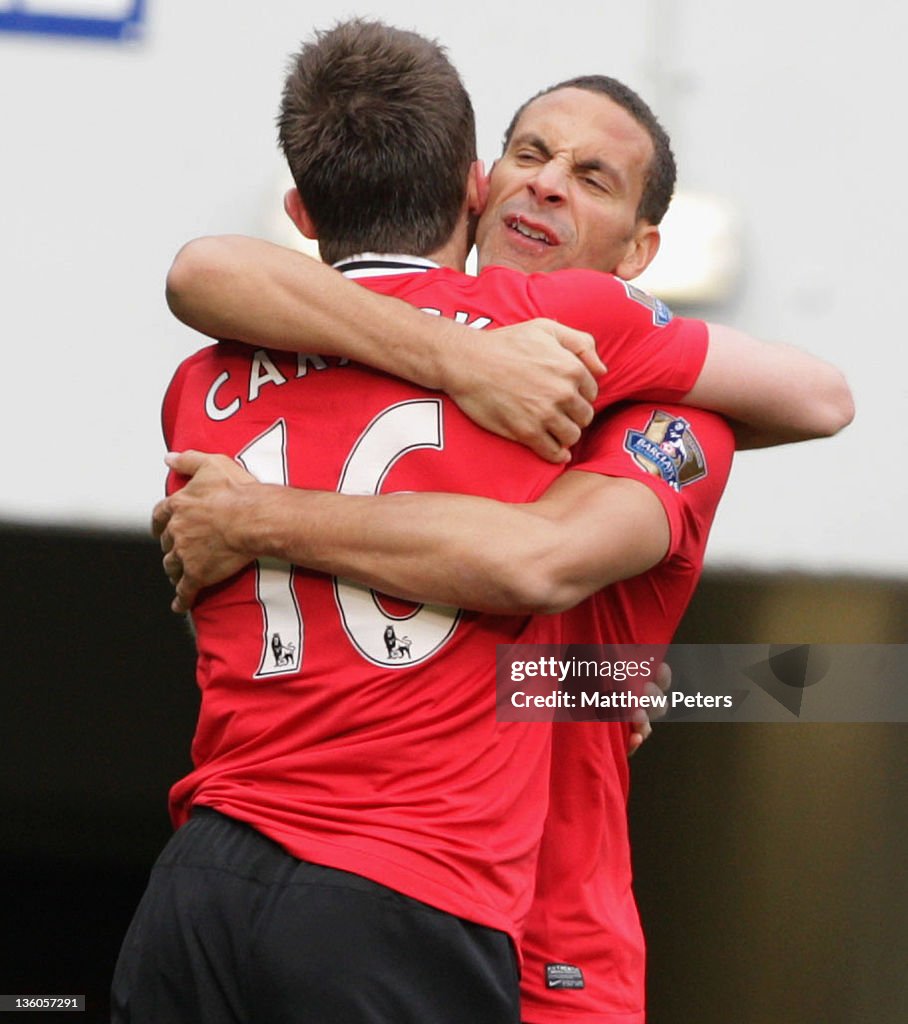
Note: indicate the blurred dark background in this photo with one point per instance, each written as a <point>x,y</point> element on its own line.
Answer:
<point>769,858</point>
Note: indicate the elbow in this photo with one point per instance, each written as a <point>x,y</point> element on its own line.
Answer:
<point>181,275</point>
<point>838,409</point>
<point>845,408</point>
<point>194,267</point>
<point>823,409</point>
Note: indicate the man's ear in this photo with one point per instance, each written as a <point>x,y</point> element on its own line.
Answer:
<point>477,188</point>
<point>297,212</point>
<point>641,251</point>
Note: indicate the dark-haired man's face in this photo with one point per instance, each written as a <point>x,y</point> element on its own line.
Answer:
<point>566,190</point>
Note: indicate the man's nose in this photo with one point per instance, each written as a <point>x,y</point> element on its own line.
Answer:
<point>549,184</point>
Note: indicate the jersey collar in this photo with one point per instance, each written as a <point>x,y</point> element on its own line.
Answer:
<point>381,264</point>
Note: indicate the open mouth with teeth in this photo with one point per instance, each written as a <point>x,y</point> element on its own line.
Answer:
<point>536,234</point>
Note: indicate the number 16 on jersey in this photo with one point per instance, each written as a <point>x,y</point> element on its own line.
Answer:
<point>375,634</point>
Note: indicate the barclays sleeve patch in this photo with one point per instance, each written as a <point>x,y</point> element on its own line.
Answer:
<point>667,447</point>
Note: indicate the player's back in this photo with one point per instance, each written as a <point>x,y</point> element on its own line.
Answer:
<point>355,730</point>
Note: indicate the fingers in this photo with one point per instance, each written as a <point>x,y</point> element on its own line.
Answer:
<point>554,439</point>
<point>186,590</point>
<point>186,593</point>
<point>582,344</point>
<point>565,422</point>
<point>656,711</point>
<point>187,463</point>
<point>589,365</point>
<point>547,446</point>
<point>207,467</point>
<point>579,411</point>
<point>563,429</point>
<point>173,567</point>
<point>663,677</point>
<point>544,397</point>
<point>582,384</point>
<point>641,730</point>
<point>588,388</point>
<point>657,688</point>
<point>160,517</point>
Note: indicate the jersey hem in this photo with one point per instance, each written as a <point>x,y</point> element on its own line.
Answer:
<point>384,869</point>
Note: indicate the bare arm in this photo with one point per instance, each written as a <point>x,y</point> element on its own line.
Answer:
<point>530,382</point>
<point>585,532</point>
<point>251,290</point>
<point>775,392</point>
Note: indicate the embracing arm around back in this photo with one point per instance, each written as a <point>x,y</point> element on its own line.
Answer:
<point>530,382</point>
<point>533,382</point>
<point>585,532</point>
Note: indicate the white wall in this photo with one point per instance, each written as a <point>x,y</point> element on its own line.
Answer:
<point>114,155</point>
<point>793,111</point>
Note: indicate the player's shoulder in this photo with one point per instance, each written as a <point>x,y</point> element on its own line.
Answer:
<point>217,351</point>
<point>580,279</point>
<point>188,364</point>
<point>201,355</point>
<point>196,370</point>
<point>601,295</point>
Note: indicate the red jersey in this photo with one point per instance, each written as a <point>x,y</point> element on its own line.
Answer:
<point>583,928</point>
<point>355,731</point>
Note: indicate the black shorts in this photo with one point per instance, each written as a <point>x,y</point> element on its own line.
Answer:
<point>233,930</point>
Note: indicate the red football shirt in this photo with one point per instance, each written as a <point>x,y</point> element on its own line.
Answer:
<point>355,731</point>
<point>583,927</point>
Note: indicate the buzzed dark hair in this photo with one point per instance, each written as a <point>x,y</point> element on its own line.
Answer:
<point>379,134</point>
<point>659,180</point>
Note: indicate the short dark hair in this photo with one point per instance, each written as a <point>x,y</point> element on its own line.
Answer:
<point>379,133</point>
<point>659,183</point>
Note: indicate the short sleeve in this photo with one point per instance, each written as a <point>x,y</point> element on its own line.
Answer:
<point>649,353</point>
<point>682,454</point>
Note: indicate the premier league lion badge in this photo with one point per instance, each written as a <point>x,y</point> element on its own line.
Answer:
<point>667,448</point>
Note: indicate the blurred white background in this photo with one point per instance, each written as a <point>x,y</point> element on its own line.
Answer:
<point>788,114</point>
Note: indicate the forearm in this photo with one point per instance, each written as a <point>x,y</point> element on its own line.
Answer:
<point>531,382</point>
<point>777,392</point>
<point>250,290</point>
<point>586,532</point>
<point>449,549</point>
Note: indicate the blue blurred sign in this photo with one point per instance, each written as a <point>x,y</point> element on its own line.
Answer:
<point>97,19</point>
